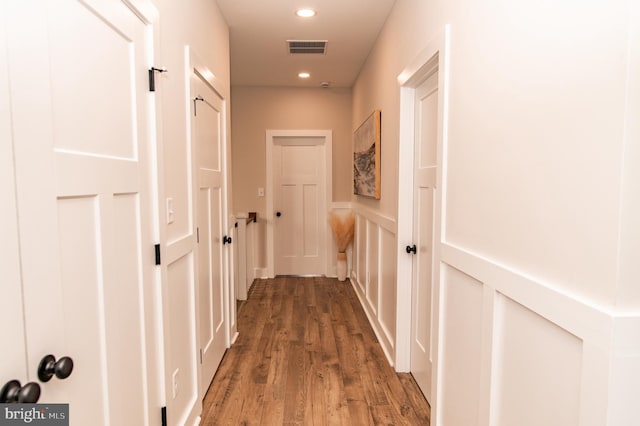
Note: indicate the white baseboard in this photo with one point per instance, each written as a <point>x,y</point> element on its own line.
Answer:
<point>382,339</point>
<point>260,273</point>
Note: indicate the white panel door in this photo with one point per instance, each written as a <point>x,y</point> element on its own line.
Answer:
<point>83,153</point>
<point>424,196</point>
<point>207,126</point>
<point>299,201</point>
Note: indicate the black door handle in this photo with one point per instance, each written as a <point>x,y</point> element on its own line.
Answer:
<point>13,391</point>
<point>226,240</point>
<point>412,249</point>
<point>278,214</point>
<point>49,367</point>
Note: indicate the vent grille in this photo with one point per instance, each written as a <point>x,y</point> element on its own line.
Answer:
<point>298,47</point>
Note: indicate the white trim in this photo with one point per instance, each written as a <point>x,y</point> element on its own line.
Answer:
<point>362,283</point>
<point>404,234</point>
<point>344,205</point>
<point>384,222</point>
<point>154,318</point>
<point>155,297</point>
<point>260,273</point>
<point>434,55</point>
<point>328,174</point>
<point>579,317</point>
<point>380,334</point>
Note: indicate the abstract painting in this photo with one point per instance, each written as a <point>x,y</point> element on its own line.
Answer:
<point>366,157</point>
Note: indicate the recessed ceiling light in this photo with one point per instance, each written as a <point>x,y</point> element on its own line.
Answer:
<point>304,75</point>
<point>306,13</point>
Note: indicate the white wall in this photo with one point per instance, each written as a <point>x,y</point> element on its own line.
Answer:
<point>199,25</point>
<point>538,241</point>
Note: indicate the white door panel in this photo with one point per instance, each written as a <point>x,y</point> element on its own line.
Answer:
<point>299,182</point>
<point>104,69</point>
<point>424,196</point>
<point>81,113</point>
<point>208,137</point>
<point>311,221</point>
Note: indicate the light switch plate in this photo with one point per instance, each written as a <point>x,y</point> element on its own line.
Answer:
<point>170,215</point>
<point>175,383</point>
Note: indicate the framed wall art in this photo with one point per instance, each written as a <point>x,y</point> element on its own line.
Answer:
<point>366,157</point>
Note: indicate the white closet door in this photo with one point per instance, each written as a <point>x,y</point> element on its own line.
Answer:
<point>299,201</point>
<point>208,137</point>
<point>424,198</point>
<point>82,123</point>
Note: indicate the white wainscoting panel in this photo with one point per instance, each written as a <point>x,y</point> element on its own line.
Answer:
<point>361,253</point>
<point>373,262</point>
<point>515,350</point>
<point>461,349</point>
<point>387,287</point>
<point>512,349</point>
<point>536,364</point>
<point>373,274</point>
<point>180,346</point>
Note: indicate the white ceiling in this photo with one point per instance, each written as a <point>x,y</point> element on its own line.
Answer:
<point>259,30</point>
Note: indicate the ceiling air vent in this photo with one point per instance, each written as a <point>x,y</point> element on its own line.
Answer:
<point>297,47</point>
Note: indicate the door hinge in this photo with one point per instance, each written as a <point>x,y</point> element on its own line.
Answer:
<point>164,416</point>
<point>195,109</point>
<point>152,77</point>
<point>197,235</point>
<point>200,356</point>
<point>157,248</point>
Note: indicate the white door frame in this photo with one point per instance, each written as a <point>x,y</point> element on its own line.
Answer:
<point>435,54</point>
<point>271,135</point>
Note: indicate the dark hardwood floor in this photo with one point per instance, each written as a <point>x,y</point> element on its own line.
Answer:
<point>306,354</point>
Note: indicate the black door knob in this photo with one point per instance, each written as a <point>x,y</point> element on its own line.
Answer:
<point>14,392</point>
<point>278,214</point>
<point>49,367</point>
<point>412,249</point>
<point>226,240</point>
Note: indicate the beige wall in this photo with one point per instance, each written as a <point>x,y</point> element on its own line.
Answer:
<point>256,109</point>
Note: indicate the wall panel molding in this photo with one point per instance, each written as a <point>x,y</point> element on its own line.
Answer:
<point>603,344</point>
<point>371,276</point>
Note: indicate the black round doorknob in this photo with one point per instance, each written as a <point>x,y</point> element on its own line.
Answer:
<point>278,214</point>
<point>49,367</point>
<point>226,240</point>
<point>13,391</point>
<point>412,249</point>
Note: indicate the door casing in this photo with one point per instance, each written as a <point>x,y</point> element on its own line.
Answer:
<point>435,54</point>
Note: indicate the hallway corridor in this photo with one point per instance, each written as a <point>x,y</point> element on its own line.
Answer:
<point>307,355</point>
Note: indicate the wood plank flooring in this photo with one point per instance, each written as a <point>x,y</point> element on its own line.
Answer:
<point>306,355</point>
